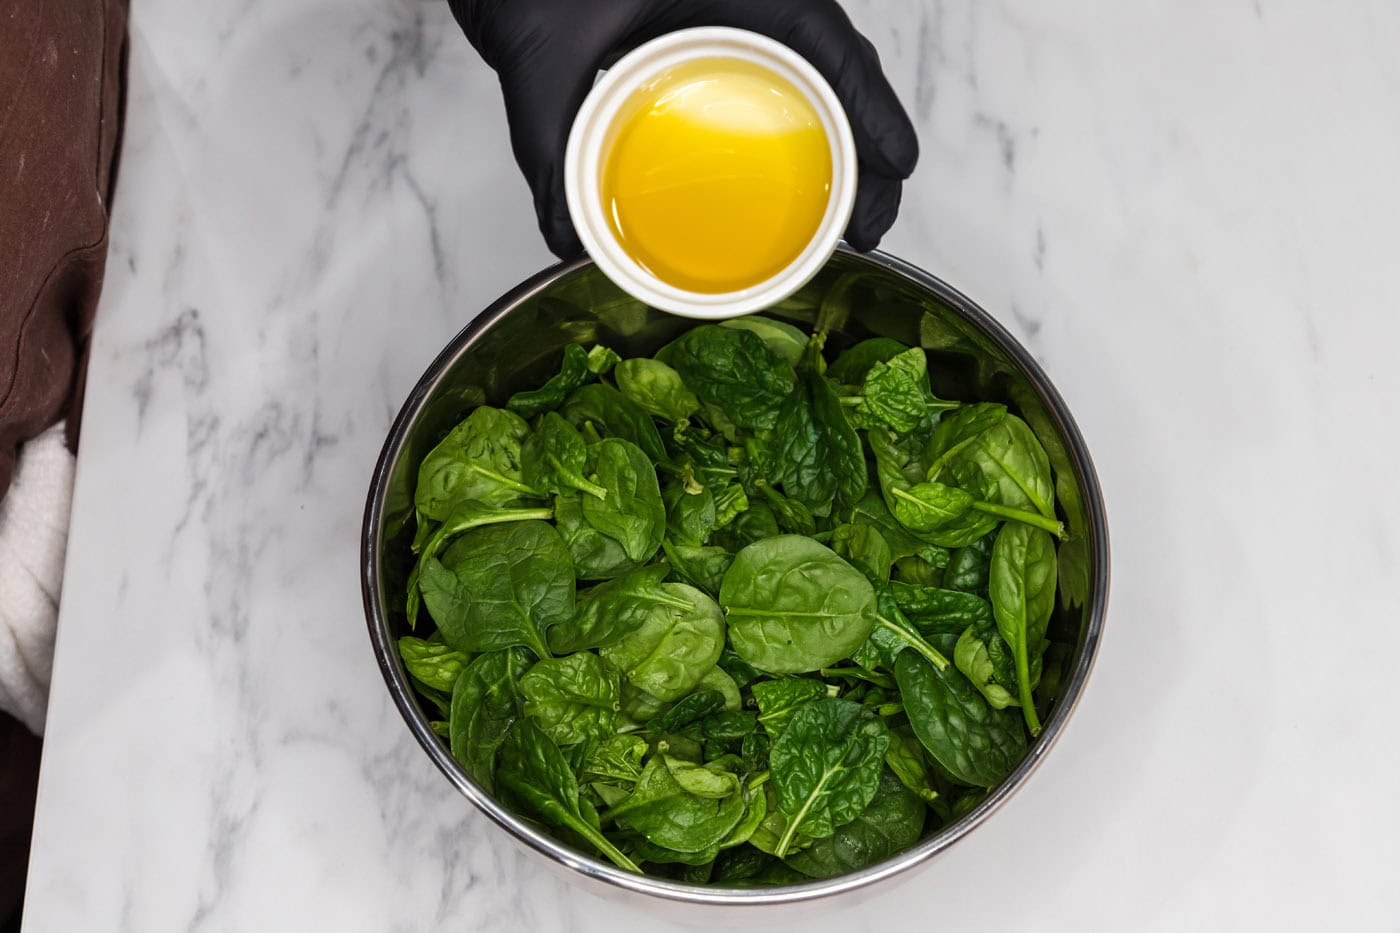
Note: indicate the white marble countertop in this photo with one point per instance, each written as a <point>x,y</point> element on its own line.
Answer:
<point>1187,211</point>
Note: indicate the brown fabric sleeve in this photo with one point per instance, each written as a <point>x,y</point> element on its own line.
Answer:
<point>62,76</point>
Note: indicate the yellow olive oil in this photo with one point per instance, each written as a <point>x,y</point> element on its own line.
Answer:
<point>716,175</point>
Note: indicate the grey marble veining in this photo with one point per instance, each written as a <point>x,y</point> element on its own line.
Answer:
<point>1188,213</point>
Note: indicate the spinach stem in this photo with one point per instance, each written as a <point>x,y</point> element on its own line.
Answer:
<point>946,457</point>
<point>938,404</point>
<point>610,815</point>
<point>859,674</point>
<point>577,481</point>
<point>791,829</point>
<point>450,529</point>
<point>507,482</point>
<point>1026,518</point>
<point>1023,679</point>
<point>915,642</point>
<point>674,602</point>
<point>613,853</point>
<point>921,504</point>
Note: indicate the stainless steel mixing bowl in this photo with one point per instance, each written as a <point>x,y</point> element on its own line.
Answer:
<point>516,344</point>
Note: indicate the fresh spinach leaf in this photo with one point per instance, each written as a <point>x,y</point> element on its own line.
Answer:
<point>950,515</point>
<point>612,414</point>
<point>574,371</point>
<point>533,775</point>
<point>485,704</point>
<point>973,656</point>
<point>673,648</point>
<point>958,431</point>
<point>1014,464</point>
<point>595,556</point>
<point>615,761</point>
<point>892,822</point>
<point>465,515</point>
<point>1073,555</point>
<point>740,864</point>
<point>905,759</point>
<point>632,512</point>
<point>872,511</point>
<point>791,515</point>
<point>639,706</point>
<point>939,611</point>
<point>643,850</point>
<point>740,671</point>
<point>448,601</point>
<point>896,394</point>
<point>916,571</point>
<point>783,340</point>
<point>969,566</point>
<point>1023,597</point>
<point>730,503</point>
<point>657,389</point>
<point>892,634</point>
<point>755,810</point>
<point>691,514</point>
<point>754,524</point>
<point>865,548</point>
<point>826,767</point>
<point>703,567</point>
<point>432,664</point>
<point>821,462</point>
<point>717,679</point>
<point>691,709</point>
<point>729,725</point>
<point>515,581</point>
<point>852,365</point>
<point>478,460</point>
<point>927,507</point>
<point>672,814</point>
<point>972,742</point>
<point>732,370</point>
<point>772,828</point>
<point>779,699</point>
<point>857,676</point>
<point>468,514</point>
<point>794,606</point>
<point>574,699</point>
<point>601,360</point>
<point>554,458</point>
<point>613,610</point>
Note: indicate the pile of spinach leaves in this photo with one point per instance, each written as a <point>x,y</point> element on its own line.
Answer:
<point>733,615</point>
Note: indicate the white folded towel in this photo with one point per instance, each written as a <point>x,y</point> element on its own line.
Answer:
<point>33,536</point>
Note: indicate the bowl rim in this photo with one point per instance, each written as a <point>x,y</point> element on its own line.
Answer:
<point>397,681</point>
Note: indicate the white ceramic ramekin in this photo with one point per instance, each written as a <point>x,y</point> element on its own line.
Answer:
<point>584,155</point>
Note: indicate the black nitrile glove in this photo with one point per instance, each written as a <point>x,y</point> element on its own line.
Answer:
<point>547,53</point>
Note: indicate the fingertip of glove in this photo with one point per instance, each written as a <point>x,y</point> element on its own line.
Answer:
<point>877,205</point>
<point>885,136</point>
<point>561,238</point>
<point>900,145</point>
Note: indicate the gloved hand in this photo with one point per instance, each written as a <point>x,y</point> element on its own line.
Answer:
<point>547,53</point>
